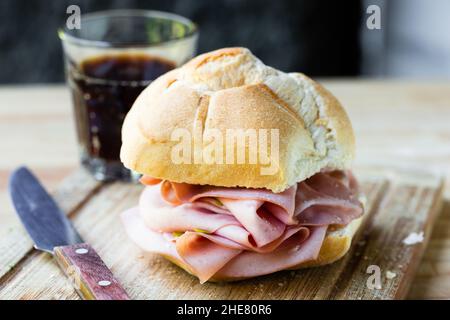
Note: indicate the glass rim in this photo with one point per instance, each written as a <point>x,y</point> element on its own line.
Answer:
<point>64,35</point>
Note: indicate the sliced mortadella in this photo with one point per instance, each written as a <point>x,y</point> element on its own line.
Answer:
<point>329,185</point>
<point>149,181</point>
<point>206,254</point>
<point>238,232</point>
<point>145,238</point>
<point>160,216</point>
<point>292,253</point>
<point>203,256</point>
<point>314,207</point>
<point>301,233</point>
<point>323,215</point>
<point>285,199</point>
<point>211,206</point>
<point>169,194</point>
<point>177,193</point>
<point>263,226</point>
<point>246,241</point>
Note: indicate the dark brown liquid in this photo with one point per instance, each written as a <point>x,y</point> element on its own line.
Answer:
<point>104,89</point>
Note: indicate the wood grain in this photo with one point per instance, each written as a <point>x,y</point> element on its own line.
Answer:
<point>398,123</point>
<point>405,209</point>
<point>397,204</point>
<point>73,191</point>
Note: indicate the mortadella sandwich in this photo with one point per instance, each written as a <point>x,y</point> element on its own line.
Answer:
<point>247,169</point>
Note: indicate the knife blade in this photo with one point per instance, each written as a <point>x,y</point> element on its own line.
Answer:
<point>53,232</point>
<point>43,219</point>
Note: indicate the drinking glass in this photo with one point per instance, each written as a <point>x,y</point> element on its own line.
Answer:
<point>109,61</point>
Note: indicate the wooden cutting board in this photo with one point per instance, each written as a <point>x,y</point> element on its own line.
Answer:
<point>399,202</point>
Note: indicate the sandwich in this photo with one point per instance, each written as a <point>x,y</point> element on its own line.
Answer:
<point>246,169</point>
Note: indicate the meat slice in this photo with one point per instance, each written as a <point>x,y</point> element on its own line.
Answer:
<point>238,232</point>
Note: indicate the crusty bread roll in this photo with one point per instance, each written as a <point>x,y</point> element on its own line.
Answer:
<point>232,89</point>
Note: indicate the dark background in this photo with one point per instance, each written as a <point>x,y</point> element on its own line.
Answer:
<point>319,38</point>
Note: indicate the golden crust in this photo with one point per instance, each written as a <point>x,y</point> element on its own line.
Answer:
<point>231,89</point>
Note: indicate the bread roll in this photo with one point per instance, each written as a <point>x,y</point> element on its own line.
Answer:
<point>232,89</point>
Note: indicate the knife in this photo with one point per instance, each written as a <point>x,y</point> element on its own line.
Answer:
<point>53,232</point>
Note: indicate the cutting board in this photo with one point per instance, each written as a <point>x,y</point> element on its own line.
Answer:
<point>379,265</point>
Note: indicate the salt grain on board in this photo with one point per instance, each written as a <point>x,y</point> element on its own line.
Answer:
<point>390,275</point>
<point>413,238</point>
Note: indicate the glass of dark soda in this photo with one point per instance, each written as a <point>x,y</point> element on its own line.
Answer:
<point>109,60</point>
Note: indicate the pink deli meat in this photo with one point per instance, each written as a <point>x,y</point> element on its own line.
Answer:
<point>239,232</point>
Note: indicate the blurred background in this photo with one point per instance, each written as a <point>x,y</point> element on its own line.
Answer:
<point>320,38</point>
<point>392,80</point>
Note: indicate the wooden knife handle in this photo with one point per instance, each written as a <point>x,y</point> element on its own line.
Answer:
<point>90,276</point>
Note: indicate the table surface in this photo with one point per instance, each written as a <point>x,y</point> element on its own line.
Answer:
<point>402,124</point>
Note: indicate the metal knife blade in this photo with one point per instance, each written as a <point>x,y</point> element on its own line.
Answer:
<point>52,232</point>
<point>45,222</point>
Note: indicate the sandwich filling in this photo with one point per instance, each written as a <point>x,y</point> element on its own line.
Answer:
<point>233,233</point>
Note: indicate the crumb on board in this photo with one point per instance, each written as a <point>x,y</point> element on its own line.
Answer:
<point>361,243</point>
<point>413,238</point>
<point>390,275</point>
